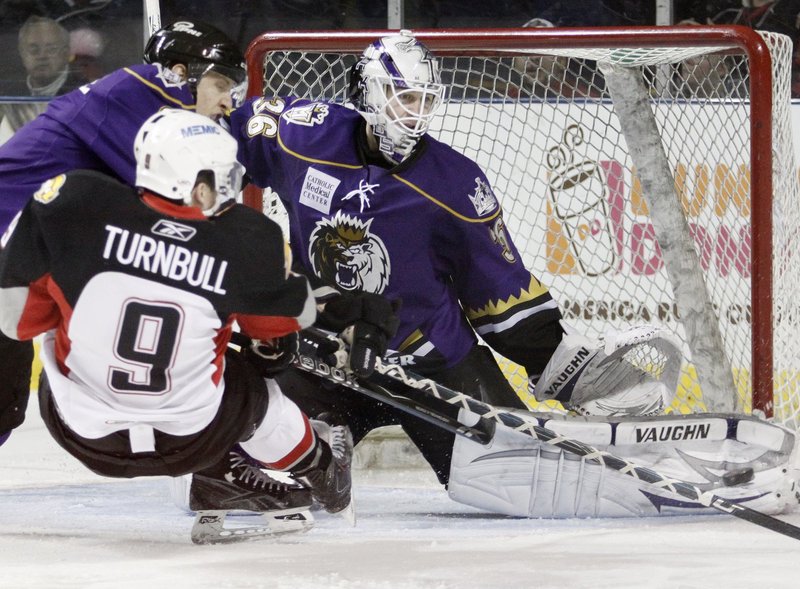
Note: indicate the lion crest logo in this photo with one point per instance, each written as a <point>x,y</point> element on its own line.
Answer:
<point>344,252</point>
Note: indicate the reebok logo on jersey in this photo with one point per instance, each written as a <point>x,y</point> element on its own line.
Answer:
<point>169,260</point>
<point>173,230</point>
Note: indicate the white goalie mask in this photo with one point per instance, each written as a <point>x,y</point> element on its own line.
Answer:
<point>397,88</point>
<point>173,147</point>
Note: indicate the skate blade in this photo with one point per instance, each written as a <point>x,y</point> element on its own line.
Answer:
<point>349,512</point>
<point>209,526</point>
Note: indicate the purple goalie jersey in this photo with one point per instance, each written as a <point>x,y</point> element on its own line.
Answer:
<point>92,127</point>
<point>429,232</point>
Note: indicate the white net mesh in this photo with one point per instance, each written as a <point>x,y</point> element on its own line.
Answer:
<point>543,127</point>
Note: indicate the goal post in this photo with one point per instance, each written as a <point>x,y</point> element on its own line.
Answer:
<point>554,118</point>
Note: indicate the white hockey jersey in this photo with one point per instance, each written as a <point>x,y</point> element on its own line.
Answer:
<point>138,297</point>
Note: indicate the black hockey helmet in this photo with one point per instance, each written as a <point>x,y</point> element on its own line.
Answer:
<point>200,47</point>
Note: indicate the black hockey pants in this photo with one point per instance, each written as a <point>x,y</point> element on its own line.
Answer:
<point>15,381</point>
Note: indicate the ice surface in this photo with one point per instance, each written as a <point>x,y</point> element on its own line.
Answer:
<point>63,527</point>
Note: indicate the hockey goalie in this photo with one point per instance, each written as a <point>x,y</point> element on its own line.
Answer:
<point>378,208</point>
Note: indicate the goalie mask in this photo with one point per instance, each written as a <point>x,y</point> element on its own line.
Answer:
<point>175,149</point>
<point>202,49</point>
<point>397,88</point>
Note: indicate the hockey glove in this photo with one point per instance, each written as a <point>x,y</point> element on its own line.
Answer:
<point>270,357</point>
<point>373,319</point>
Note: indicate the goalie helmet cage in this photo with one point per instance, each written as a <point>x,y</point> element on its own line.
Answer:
<point>533,108</point>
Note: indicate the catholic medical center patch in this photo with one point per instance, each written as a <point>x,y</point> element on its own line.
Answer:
<point>317,190</point>
<point>49,190</point>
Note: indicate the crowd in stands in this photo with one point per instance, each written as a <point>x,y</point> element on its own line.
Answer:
<point>54,46</point>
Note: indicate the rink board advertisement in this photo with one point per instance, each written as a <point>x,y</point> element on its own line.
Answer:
<point>577,212</point>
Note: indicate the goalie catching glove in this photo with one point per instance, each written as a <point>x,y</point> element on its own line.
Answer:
<point>630,372</point>
<point>366,321</point>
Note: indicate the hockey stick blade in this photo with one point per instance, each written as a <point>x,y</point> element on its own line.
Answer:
<point>605,459</point>
<point>209,526</point>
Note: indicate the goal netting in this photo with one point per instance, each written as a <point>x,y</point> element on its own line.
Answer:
<point>646,175</point>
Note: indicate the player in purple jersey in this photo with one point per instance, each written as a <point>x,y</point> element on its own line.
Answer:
<point>190,65</point>
<point>376,205</point>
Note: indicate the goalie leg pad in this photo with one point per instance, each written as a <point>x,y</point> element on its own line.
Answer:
<point>517,475</point>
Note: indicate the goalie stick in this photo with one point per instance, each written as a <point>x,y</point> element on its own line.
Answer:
<point>423,390</point>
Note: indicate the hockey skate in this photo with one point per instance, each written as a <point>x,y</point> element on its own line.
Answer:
<point>235,484</point>
<point>331,487</point>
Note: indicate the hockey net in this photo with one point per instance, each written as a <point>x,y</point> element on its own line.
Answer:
<point>578,130</point>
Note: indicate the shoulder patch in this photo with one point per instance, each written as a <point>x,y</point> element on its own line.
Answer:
<point>483,198</point>
<point>169,78</point>
<point>49,190</point>
<point>307,115</point>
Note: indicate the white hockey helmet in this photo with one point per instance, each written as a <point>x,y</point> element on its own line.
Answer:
<point>173,147</point>
<point>397,88</point>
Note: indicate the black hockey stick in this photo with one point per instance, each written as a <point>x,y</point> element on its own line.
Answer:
<point>423,390</point>
<point>434,411</point>
<point>438,413</point>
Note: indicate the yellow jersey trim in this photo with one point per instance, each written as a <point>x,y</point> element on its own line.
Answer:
<point>444,206</point>
<point>535,289</point>
<point>312,160</point>
<point>160,90</point>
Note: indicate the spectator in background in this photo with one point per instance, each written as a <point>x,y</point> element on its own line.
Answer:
<point>702,77</point>
<point>778,16</point>
<point>796,71</point>
<point>544,76</point>
<point>44,47</point>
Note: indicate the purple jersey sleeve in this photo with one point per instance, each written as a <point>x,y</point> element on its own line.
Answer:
<point>92,127</point>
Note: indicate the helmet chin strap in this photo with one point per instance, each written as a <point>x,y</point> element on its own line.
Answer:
<point>382,142</point>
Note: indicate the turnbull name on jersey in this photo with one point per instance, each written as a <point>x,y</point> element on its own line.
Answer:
<point>169,260</point>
